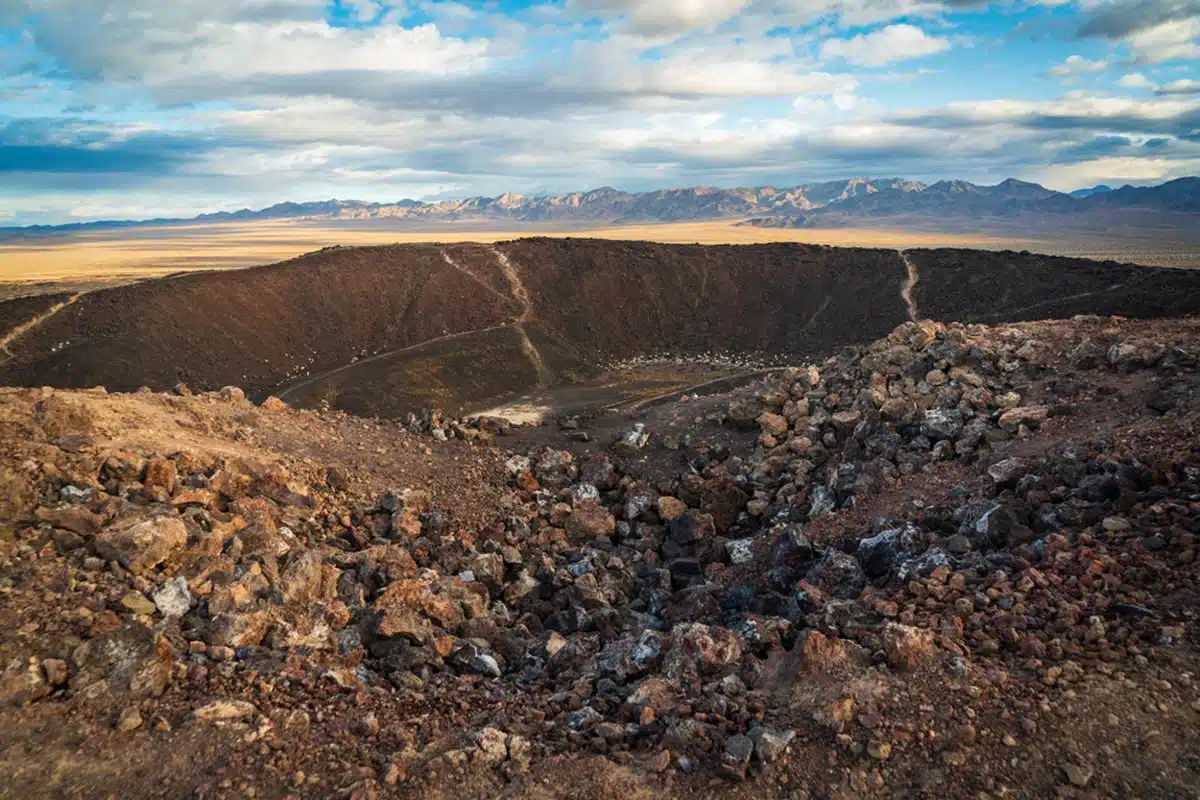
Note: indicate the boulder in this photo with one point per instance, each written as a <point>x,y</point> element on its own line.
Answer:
<point>772,424</point>
<point>818,654</point>
<point>132,661</point>
<point>174,599</point>
<point>238,629</point>
<point>699,650</point>
<point>769,745</point>
<point>671,507</point>
<point>589,520</point>
<point>692,526</point>
<point>906,647</point>
<point>745,409</point>
<point>142,546</point>
<point>307,579</point>
<point>75,519</point>
<point>837,575</point>
<point>1029,416</point>
<point>22,683</point>
<point>159,481</point>
<point>940,423</point>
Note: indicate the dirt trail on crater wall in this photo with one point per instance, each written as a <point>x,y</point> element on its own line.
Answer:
<point>20,330</point>
<point>452,263</point>
<point>910,283</point>
<point>520,293</point>
<point>283,395</point>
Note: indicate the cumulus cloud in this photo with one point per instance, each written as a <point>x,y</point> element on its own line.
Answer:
<point>1118,19</point>
<point>1077,65</point>
<point>1154,30</point>
<point>157,43</point>
<point>1135,80</point>
<point>885,46</point>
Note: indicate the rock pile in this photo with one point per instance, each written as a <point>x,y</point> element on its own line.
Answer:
<point>618,614</point>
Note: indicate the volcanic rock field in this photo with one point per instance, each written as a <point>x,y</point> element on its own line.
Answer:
<point>949,550</point>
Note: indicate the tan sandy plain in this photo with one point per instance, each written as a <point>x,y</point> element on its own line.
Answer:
<point>117,256</point>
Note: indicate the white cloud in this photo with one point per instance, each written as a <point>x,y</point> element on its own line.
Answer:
<point>1183,86</point>
<point>885,46</point>
<point>1077,65</point>
<point>1073,110</point>
<point>1135,80</point>
<point>1167,41</point>
<point>660,17</point>
<point>155,43</point>
<point>1066,177</point>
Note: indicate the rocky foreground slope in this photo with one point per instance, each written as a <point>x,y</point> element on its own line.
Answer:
<point>960,561</point>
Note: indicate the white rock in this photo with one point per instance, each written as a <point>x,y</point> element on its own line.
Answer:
<point>174,599</point>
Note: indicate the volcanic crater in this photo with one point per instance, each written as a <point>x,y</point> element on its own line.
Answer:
<point>384,331</point>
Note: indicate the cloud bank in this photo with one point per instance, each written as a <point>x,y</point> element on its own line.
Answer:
<point>201,105</point>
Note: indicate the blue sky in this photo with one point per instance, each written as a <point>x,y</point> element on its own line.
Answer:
<point>142,108</point>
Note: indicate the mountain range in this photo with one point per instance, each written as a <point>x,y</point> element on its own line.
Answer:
<point>846,202</point>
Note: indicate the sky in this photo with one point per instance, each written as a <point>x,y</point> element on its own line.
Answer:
<point>115,109</point>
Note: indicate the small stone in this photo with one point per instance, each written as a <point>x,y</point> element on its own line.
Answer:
<point>56,671</point>
<point>906,647</point>
<point>137,603</point>
<point>485,664</point>
<point>130,720</point>
<point>394,774</point>
<point>492,746</point>
<point>770,745</point>
<point>224,711</point>
<point>1116,524</point>
<point>660,761</point>
<point>1077,775</point>
<point>741,551</point>
<point>738,750</point>
<point>1008,471</point>
<point>174,599</point>
<point>368,726</point>
<point>773,424</point>
<point>880,751</point>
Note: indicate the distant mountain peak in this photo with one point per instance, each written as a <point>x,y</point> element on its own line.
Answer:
<point>830,202</point>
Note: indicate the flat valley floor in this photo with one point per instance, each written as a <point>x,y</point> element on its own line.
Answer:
<point>90,259</point>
